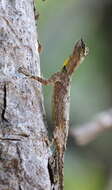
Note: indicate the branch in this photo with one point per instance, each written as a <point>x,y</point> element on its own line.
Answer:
<point>86,133</point>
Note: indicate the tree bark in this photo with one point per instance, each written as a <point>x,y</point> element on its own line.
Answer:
<point>23,149</point>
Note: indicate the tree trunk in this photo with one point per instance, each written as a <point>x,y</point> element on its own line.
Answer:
<point>23,148</point>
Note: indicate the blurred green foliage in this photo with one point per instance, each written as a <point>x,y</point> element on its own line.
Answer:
<point>83,175</point>
<point>60,25</point>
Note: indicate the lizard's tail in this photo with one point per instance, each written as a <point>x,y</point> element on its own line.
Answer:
<point>61,170</point>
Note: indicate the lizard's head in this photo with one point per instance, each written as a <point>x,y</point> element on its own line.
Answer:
<point>78,55</point>
<point>80,49</point>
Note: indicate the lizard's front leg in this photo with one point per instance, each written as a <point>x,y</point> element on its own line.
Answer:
<point>54,78</point>
<point>39,79</point>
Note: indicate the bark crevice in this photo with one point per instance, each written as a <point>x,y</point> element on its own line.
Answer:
<point>4,104</point>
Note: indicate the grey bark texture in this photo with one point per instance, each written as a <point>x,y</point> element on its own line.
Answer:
<point>23,149</point>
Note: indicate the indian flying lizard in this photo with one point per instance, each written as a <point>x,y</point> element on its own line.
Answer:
<point>61,101</point>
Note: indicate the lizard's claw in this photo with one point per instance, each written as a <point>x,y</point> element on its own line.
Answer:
<point>23,71</point>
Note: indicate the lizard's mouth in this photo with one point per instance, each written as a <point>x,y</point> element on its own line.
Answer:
<point>86,51</point>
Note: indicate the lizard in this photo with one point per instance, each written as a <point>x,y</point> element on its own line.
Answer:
<point>61,82</point>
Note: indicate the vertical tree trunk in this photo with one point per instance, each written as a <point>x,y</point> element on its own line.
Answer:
<point>23,150</point>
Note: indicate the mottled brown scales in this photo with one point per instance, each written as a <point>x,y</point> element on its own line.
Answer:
<point>60,99</point>
<point>61,102</point>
